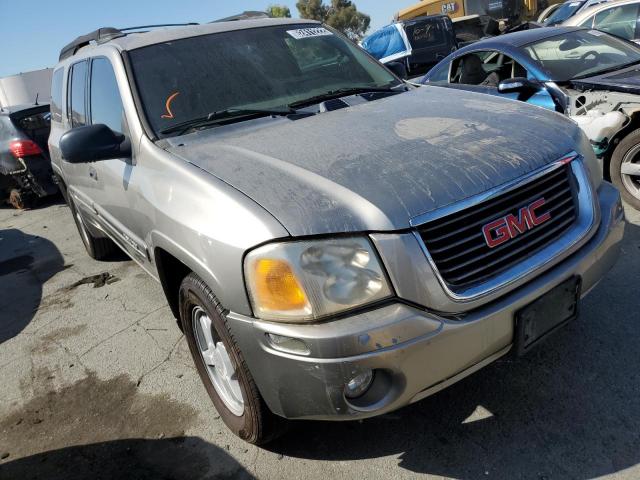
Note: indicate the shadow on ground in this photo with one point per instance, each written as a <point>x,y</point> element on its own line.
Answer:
<point>26,263</point>
<point>105,429</point>
<point>180,458</point>
<point>571,409</point>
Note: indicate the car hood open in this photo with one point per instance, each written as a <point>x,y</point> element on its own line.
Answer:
<point>375,166</point>
<point>626,80</point>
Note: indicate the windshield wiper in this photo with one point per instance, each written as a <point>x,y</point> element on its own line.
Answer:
<point>342,92</point>
<point>227,115</point>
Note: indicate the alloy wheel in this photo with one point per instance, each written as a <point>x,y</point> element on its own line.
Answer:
<point>220,367</point>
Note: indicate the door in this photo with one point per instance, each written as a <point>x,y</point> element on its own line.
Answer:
<point>80,185</point>
<point>116,194</point>
<point>431,40</point>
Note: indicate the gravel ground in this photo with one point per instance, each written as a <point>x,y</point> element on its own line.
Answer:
<point>97,382</point>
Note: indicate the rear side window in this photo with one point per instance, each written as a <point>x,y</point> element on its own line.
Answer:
<point>425,35</point>
<point>77,97</point>
<point>56,96</point>
<point>105,101</point>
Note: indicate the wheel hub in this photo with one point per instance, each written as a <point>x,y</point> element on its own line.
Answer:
<point>220,367</point>
<point>630,171</point>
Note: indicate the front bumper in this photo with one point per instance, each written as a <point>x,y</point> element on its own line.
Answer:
<point>414,352</point>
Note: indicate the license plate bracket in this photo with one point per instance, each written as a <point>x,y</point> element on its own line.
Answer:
<point>546,314</point>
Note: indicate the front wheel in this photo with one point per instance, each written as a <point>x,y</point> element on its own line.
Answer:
<point>221,365</point>
<point>624,168</point>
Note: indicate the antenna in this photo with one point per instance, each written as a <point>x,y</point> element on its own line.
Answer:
<point>37,95</point>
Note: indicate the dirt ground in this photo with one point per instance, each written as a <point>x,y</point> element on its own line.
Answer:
<point>97,382</point>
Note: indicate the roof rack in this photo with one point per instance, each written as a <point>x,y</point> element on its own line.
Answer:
<point>105,34</point>
<point>246,15</point>
<point>128,29</point>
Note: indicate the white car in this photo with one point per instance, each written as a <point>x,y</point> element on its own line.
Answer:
<point>618,17</point>
<point>554,15</point>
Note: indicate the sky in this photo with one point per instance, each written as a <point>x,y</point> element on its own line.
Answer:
<point>34,31</point>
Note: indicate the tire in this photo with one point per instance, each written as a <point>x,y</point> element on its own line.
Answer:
<point>252,421</point>
<point>627,153</point>
<point>98,248</point>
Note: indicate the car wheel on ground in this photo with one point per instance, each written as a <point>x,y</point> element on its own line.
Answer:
<point>221,365</point>
<point>97,248</point>
<point>625,168</point>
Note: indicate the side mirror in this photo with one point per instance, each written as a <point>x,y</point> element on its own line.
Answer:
<point>92,143</point>
<point>399,69</point>
<point>517,84</point>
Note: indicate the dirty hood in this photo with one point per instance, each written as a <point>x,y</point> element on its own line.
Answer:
<point>373,167</point>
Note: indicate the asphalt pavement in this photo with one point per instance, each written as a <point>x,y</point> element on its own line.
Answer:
<point>97,382</point>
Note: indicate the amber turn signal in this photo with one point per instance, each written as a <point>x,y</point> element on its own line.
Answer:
<point>276,286</point>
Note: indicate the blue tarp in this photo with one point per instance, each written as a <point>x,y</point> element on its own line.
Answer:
<point>386,42</point>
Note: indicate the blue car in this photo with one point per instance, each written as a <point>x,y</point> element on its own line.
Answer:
<point>588,75</point>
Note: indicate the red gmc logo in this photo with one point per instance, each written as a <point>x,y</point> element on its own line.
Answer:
<point>510,226</point>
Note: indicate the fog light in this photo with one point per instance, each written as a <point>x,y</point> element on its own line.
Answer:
<point>288,344</point>
<point>358,385</point>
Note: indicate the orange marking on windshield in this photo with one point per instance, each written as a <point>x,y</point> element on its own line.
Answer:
<point>167,105</point>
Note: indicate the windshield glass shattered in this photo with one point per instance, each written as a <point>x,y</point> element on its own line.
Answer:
<point>259,69</point>
<point>582,53</point>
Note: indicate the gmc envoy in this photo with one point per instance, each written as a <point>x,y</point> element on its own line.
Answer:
<point>334,242</point>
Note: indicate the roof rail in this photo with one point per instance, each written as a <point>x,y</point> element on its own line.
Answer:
<point>105,34</point>
<point>128,29</point>
<point>246,15</point>
<point>101,34</point>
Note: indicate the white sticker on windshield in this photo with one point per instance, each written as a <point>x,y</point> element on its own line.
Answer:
<point>597,33</point>
<point>309,32</point>
<point>575,4</point>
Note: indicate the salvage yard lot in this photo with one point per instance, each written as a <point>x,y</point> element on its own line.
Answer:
<point>97,381</point>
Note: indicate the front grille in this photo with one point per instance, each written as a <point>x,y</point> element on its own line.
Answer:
<point>457,245</point>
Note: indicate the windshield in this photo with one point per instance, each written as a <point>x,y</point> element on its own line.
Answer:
<point>564,11</point>
<point>253,69</point>
<point>582,53</point>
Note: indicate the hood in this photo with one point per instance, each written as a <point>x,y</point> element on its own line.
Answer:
<point>626,80</point>
<point>373,167</point>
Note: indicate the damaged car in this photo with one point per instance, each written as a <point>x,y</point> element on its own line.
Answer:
<point>334,242</point>
<point>588,75</point>
<point>25,166</point>
<point>412,47</point>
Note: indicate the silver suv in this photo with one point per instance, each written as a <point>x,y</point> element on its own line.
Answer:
<point>334,242</point>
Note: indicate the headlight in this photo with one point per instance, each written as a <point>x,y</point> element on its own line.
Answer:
<point>306,280</point>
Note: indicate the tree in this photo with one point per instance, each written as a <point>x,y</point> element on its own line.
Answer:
<point>279,11</point>
<point>341,15</point>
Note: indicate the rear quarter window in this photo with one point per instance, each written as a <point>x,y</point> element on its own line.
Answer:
<point>56,95</point>
<point>440,74</point>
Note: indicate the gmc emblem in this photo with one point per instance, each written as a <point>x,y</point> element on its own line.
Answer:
<point>510,226</point>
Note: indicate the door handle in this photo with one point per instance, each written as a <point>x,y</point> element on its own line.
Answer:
<point>93,174</point>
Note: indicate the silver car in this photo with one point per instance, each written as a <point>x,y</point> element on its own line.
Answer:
<point>334,243</point>
<point>618,17</point>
